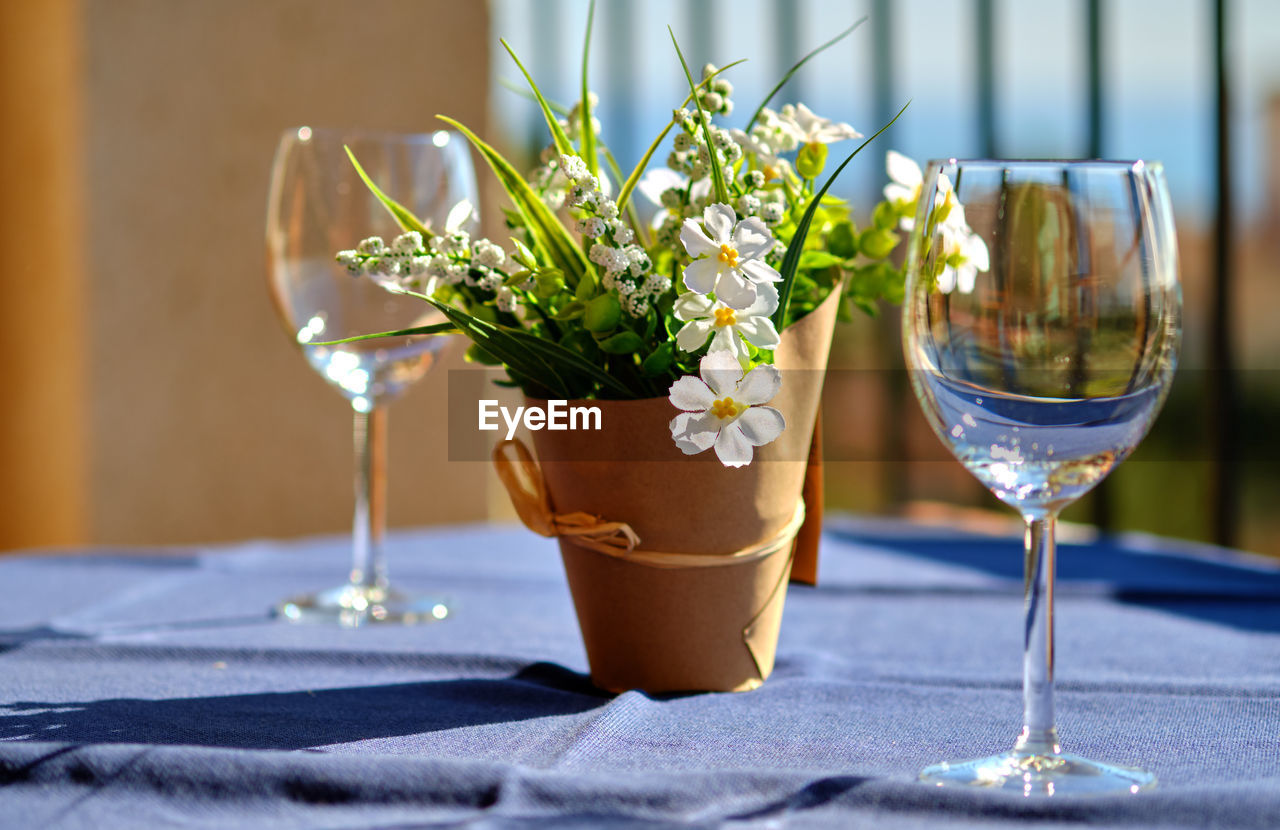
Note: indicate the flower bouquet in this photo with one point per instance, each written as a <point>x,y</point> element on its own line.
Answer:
<point>680,330</point>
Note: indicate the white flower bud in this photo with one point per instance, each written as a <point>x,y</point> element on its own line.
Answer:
<point>591,227</point>
<point>771,213</point>
<point>621,233</point>
<point>407,243</point>
<point>373,246</point>
<point>488,254</point>
<point>351,261</point>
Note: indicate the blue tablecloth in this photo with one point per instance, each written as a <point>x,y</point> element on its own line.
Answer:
<point>149,690</point>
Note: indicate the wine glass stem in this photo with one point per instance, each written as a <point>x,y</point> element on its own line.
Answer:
<point>368,568</point>
<point>1038,732</point>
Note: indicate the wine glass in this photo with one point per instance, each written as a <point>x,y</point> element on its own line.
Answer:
<point>1041,329</point>
<point>318,205</point>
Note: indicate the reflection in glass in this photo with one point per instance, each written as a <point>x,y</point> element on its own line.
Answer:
<point>1041,327</point>
<point>317,206</point>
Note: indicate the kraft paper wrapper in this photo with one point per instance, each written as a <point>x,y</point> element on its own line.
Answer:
<point>686,629</point>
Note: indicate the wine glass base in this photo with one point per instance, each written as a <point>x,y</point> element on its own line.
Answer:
<point>1040,774</point>
<point>353,606</point>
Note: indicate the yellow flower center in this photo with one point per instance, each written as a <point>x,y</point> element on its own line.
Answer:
<point>726,408</point>
<point>726,317</point>
<point>771,173</point>
<point>728,256</point>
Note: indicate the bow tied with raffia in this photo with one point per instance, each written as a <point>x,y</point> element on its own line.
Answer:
<point>523,480</point>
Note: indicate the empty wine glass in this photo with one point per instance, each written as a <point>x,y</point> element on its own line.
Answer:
<point>1041,328</point>
<point>318,205</point>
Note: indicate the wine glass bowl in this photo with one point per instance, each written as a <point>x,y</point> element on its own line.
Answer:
<point>1041,326</point>
<point>319,205</point>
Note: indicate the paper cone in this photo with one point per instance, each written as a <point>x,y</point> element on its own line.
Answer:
<point>686,628</point>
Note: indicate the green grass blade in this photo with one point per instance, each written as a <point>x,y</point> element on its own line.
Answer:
<point>403,216</point>
<point>552,239</point>
<point>756,115</point>
<point>794,250</point>
<point>625,194</point>
<point>511,86</point>
<point>433,329</point>
<point>557,132</point>
<point>717,175</point>
<point>587,141</point>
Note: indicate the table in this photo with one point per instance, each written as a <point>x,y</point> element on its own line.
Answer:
<point>141,689</point>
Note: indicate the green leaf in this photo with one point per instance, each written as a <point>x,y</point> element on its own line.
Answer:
<point>557,132</point>
<point>433,329</point>
<point>586,288</point>
<point>624,342</point>
<point>659,361</point>
<point>634,178</point>
<point>885,216</point>
<point>602,314</point>
<point>536,358</point>
<point>717,175</point>
<point>571,310</point>
<point>638,172</point>
<point>810,260</point>
<point>548,283</point>
<point>587,141</point>
<point>796,247</point>
<point>523,255</point>
<point>476,354</point>
<point>756,115</point>
<point>553,240</point>
<point>842,239</point>
<point>878,243</point>
<point>403,216</point>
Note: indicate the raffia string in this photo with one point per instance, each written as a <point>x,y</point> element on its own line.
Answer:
<point>523,479</point>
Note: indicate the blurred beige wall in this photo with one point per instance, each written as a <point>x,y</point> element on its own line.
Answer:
<point>150,395</point>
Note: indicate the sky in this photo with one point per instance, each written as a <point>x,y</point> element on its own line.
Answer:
<point>1157,77</point>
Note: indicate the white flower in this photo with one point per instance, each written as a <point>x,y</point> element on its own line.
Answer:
<point>730,257</point>
<point>724,410</point>
<point>703,316</point>
<point>905,183</point>
<point>905,178</point>
<point>659,181</point>
<point>506,299</point>
<point>809,128</point>
<point>779,134</point>
<point>459,215</point>
<point>965,254</point>
<point>766,153</point>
